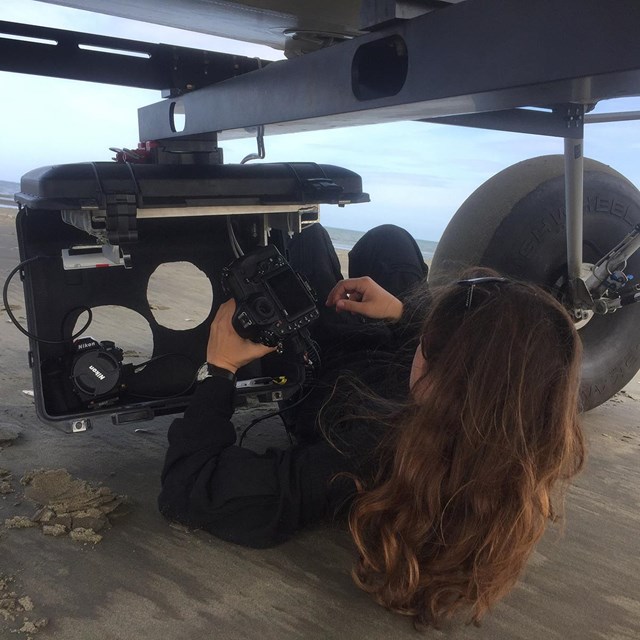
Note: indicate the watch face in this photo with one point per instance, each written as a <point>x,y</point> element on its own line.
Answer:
<point>203,372</point>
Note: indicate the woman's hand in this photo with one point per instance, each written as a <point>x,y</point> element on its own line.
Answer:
<point>226,348</point>
<point>365,297</point>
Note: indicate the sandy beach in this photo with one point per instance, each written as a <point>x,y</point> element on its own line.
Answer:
<point>146,579</point>
<point>343,256</point>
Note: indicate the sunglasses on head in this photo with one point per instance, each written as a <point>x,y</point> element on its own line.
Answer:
<point>471,283</point>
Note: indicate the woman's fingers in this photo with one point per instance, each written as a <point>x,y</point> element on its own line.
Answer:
<point>350,289</point>
<point>365,297</point>
<point>225,347</point>
<point>352,305</point>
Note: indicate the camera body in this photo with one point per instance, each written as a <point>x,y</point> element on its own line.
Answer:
<point>96,369</point>
<point>273,302</point>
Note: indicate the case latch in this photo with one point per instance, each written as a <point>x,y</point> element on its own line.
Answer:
<point>122,227</point>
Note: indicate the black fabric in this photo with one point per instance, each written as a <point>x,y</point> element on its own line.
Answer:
<point>390,256</point>
<point>260,500</point>
<point>257,500</point>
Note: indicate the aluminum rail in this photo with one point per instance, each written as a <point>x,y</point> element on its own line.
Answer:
<point>618,116</point>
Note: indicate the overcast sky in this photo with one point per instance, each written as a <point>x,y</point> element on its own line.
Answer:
<point>417,174</point>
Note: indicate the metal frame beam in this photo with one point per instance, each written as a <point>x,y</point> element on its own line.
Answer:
<point>476,56</point>
<point>573,194</point>
<point>618,116</point>
<point>82,56</point>
<point>559,122</point>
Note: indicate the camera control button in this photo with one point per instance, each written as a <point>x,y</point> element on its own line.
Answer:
<point>270,339</point>
<point>244,319</point>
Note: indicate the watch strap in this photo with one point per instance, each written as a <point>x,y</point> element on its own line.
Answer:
<point>208,370</point>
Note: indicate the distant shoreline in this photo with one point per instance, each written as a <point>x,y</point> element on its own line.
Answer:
<point>344,239</point>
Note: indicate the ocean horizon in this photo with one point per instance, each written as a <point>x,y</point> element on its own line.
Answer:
<point>346,238</point>
<point>341,238</point>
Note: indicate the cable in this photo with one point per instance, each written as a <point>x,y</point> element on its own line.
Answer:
<point>155,359</point>
<point>313,346</point>
<point>164,397</point>
<point>14,320</point>
<point>162,356</point>
<point>253,423</point>
<point>86,326</point>
<point>235,245</point>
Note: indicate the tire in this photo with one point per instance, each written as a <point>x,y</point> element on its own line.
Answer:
<point>515,223</point>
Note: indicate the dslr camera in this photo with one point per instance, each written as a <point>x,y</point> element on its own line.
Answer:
<point>96,369</point>
<point>90,375</point>
<point>273,302</point>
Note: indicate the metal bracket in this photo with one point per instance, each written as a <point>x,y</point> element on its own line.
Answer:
<point>615,260</point>
<point>93,256</point>
<point>80,426</point>
<point>292,222</point>
<point>602,287</point>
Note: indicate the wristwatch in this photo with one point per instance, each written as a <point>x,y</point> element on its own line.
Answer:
<point>208,370</point>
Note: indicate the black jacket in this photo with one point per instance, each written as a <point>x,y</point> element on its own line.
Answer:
<point>260,500</point>
<point>257,500</point>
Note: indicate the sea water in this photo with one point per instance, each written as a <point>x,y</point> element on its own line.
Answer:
<point>346,238</point>
<point>7,189</point>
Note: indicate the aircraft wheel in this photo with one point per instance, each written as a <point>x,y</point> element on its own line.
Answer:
<point>515,223</point>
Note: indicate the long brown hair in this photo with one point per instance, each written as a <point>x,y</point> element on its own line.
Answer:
<point>464,490</point>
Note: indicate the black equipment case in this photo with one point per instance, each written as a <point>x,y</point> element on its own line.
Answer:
<point>75,220</point>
